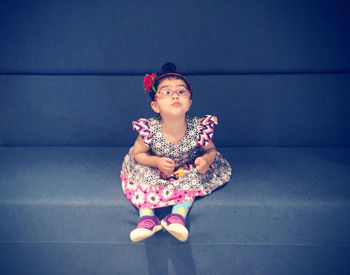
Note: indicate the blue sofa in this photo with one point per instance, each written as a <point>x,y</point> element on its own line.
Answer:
<point>69,95</point>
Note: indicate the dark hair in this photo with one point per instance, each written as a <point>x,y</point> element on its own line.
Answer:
<point>169,72</point>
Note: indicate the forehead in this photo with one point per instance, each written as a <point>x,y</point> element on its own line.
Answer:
<point>171,82</point>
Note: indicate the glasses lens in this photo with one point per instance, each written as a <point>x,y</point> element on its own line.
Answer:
<point>168,93</point>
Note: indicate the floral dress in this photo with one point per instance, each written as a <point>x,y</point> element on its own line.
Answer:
<point>145,188</point>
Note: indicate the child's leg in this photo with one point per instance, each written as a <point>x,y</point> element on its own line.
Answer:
<point>146,212</point>
<point>147,225</point>
<point>182,208</point>
<point>174,223</point>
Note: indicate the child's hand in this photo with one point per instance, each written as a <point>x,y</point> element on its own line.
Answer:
<point>166,166</point>
<point>202,165</point>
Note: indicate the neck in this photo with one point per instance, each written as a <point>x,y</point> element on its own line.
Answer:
<point>174,126</point>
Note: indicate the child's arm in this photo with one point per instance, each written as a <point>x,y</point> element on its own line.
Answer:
<point>203,162</point>
<point>143,156</point>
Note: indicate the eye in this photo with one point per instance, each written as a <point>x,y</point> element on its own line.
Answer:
<point>166,92</point>
<point>182,92</point>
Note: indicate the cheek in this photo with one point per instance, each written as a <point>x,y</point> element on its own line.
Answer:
<point>162,106</point>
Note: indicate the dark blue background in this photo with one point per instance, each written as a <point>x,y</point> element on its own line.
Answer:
<point>276,73</point>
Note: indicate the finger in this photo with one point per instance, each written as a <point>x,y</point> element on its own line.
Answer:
<point>169,160</point>
<point>201,170</point>
<point>169,170</point>
<point>170,166</point>
<point>196,161</point>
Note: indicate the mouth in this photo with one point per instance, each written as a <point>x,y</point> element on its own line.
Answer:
<point>176,104</point>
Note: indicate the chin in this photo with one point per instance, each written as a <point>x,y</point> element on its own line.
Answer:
<point>174,114</point>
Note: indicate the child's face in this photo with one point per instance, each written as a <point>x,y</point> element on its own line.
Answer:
<point>172,98</point>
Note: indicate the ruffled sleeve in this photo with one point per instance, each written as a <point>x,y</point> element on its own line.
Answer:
<point>143,127</point>
<point>206,129</point>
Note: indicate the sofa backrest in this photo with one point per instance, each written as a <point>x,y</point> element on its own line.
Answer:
<point>275,73</point>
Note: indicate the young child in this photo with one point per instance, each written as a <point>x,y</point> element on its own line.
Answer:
<point>173,159</point>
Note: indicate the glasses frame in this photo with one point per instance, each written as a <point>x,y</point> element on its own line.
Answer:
<point>160,94</point>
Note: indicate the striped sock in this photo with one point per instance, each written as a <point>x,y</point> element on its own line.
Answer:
<point>182,208</point>
<point>146,212</point>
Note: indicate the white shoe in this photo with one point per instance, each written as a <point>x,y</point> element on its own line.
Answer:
<point>175,225</point>
<point>146,227</point>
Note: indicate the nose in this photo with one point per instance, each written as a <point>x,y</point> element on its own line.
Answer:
<point>174,94</point>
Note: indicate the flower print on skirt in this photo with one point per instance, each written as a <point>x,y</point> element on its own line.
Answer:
<point>145,188</point>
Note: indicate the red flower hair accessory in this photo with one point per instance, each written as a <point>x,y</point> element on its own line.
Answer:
<point>148,82</point>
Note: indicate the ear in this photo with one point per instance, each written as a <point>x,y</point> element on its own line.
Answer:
<point>190,104</point>
<point>154,106</point>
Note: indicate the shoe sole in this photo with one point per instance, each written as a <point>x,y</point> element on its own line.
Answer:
<point>179,231</point>
<point>140,234</point>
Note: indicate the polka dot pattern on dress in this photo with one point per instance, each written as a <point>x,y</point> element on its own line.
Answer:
<point>143,185</point>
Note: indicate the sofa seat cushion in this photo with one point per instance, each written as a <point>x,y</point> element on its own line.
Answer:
<point>276,195</point>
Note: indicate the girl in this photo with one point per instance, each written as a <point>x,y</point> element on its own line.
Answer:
<point>173,159</point>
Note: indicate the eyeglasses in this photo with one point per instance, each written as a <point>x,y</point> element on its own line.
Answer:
<point>167,93</point>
